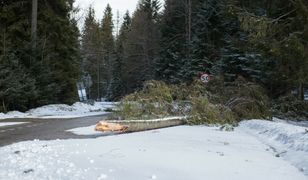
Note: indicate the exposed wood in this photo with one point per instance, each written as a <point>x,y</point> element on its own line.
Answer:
<point>142,125</point>
<point>110,127</point>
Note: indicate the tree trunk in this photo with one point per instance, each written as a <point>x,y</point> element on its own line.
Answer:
<point>301,91</point>
<point>34,24</point>
<point>4,107</point>
<point>4,43</point>
<point>188,21</point>
<point>98,80</point>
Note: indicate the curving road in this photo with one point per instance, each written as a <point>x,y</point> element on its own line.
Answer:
<point>45,129</point>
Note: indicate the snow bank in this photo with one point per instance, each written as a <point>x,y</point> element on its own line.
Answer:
<point>298,123</point>
<point>62,111</point>
<point>12,114</point>
<point>286,140</point>
<point>76,109</point>
<point>182,153</point>
<point>2,124</point>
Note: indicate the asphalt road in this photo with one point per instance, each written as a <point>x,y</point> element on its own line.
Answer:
<point>45,129</point>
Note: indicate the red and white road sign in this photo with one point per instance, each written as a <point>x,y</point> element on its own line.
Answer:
<point>205,78</point>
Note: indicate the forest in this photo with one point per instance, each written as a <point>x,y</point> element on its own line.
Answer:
<point>263,42</point>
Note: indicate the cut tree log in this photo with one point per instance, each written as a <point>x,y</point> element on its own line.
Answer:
<point>139,125</point>
<point>110,127</point>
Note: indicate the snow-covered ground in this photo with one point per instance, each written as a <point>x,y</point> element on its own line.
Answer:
<point>285,140</point>
<point>84,131</point>
<point>182,153</point>
<point>2,124</point>
<point>298,123</point>
<point>62,111</point>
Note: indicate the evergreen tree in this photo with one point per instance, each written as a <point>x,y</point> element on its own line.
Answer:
<point>262,41</point>
<point>122,38</point>
<point>92,55</point>
<point>118,85</point>
<point>57,51</point>
<point>108,55</point>
<point>17,88</point>
<point>51,69</point>
<point>173,39</point>
<point>141,47</point>
<point>206,38</point>
<point>115,90</point>
<point>277,30</point>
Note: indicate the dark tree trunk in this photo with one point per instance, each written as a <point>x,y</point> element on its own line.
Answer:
<point>34,24</point>
<point>301,91</point>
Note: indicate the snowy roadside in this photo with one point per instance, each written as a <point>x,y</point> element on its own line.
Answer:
<point>181,153</point>
<point>285,140</point>
<point>2,124</point>
<point>298,123</point>
<point>84,131</point>
<point>62,111</point>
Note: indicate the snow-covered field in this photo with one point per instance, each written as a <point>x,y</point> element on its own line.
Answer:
<point>182,153</point>
<point>61,111</point>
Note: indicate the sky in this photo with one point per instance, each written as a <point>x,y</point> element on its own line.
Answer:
<point>99,5</point>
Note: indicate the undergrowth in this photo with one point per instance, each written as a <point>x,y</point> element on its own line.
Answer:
<point>291,108</point>
<point>214,103</point>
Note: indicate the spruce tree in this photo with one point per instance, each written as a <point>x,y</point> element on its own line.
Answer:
<point>92,54</point>
<point>206,38</point>
<point>118,85</point>
<point>276,29</point>
<point>122,38</point>
<point>17,87</point>
<point>108,54</point>
<point>58,51</point>
<point>51,69</point>
<point>172,42</point>
<point>141,47</point>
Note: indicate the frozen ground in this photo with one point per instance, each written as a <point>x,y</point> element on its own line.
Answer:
<point>61,111</point>
<point>90,130</point>
<point>285,140</point>
<point>182,153</point>
<point>298,123</point>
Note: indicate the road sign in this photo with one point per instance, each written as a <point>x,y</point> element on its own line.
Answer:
<point>205,78</point>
